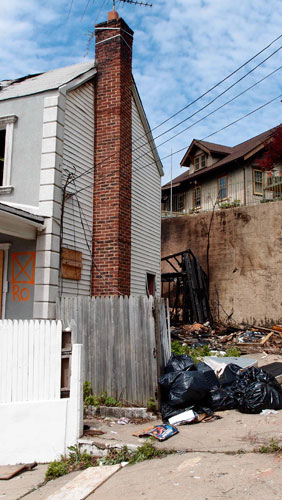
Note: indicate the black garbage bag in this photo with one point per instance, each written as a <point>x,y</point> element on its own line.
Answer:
<point>179,362</point>
<point>256,390</point>
<point>188,388</point>
<point>209,374</point>
<point>220,399</point>
<point>229,375</point>
<point>169,411</point>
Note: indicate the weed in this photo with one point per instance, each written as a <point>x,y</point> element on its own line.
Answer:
<point>151,405</point>
<point>95,400</point>
<point>56,469</point>
<point>272,447</point>
<point>233,352</point>
<point>75,461</point>
<point>145,452</point>
<point>197,353</point>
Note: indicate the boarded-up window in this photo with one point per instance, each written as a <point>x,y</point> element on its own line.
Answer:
<point>71,264</point>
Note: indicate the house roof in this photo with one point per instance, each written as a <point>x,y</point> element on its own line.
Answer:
<point>243,150</point>
<point>208,147</point>
<point>42,82</point>
<point>18,212</point>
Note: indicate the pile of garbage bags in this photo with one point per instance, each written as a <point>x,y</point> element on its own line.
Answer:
<point>187,385</point>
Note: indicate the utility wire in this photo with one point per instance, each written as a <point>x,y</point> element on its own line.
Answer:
<point>219,83</point>
<point>208,104</point>
<point>84,12</point>
<point>210,135</point>
<point>215,110</point>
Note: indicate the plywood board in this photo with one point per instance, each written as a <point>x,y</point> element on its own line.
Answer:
<point>71,264</point>
<point>9,471</point>
<point>85,483</point>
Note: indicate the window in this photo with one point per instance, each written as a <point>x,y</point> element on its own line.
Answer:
<point>197,197</point>
<point>258,182</point>
<point>177,202</point>
<point>200,161</point>
<point>150,284</point>
<point>222,187</point>
<point>6,142</point>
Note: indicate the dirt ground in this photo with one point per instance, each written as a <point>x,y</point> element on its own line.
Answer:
<point>216,459</point>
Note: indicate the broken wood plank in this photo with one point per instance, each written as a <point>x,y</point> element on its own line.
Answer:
<point>265,339</point>
<point>9,471</point>
<point>85,483</point>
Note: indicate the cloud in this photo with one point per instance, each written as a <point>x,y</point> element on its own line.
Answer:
<point>181,49</point>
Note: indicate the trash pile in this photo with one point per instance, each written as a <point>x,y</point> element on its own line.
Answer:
<point>189,390</point>
<point>219,337</point>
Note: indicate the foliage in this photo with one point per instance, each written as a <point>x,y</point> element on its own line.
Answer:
<point>197,353</point>
<point>272,447</point>
<point>230,204</point>
<point>266,200</point>
<point>95,400</point>
<point>273,151</point>
<point>151,405</point>
<point>75,461</point>
<point>233,352</point>
<point>145,452</point>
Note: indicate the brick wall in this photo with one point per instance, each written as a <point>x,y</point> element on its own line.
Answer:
<point>113,159</point>
<point>245,258</point>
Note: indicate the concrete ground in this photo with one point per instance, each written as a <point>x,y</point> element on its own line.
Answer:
<point>213,460</point>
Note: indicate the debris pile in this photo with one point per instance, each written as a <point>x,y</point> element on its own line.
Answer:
<point>219,337</point>
<point>187,386</point>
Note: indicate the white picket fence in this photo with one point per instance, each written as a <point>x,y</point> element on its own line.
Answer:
<point>36,424</point>
<point>30,360</point>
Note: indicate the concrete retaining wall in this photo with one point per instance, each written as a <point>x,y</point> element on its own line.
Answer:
<point>245,258</point>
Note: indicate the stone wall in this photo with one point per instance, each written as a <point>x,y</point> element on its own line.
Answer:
<point>245,258</point>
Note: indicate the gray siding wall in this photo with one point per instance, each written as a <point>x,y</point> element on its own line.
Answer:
<point>27,142</point>
<point>78,157</point>
<point>146,209</point>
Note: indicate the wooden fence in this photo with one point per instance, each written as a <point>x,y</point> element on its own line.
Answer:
<point>30,360</point>
<point>126,342</point>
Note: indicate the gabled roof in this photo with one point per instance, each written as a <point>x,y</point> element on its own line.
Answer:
<point>244,150</point>
<point>42,82</point>
<point>208,147</point>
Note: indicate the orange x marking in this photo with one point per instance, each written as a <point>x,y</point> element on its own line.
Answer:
<point>26,268</point>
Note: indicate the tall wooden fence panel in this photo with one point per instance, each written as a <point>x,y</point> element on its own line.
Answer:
<point>119,338</point>
<point>30,360</point>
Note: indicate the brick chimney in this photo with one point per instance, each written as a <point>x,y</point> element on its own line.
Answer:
<point>112,158</point>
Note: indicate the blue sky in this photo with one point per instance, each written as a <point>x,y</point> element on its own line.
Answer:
<point>181,49</point>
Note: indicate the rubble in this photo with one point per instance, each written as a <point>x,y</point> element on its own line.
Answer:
<point>248,340</point>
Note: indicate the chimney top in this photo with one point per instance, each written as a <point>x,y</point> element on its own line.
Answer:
<point>113,15</point>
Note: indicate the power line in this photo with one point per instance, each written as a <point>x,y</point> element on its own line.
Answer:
<point>206,105</point>
<point>215,110</point>
<point>219,83</point>
<point>84,12</point>
<point>71,2</point>
<point>186,147</point>
<point>193,102</point>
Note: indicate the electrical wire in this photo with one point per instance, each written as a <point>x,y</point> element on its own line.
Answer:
<point>84,12</point>
<point>215,110</point>
<point>101,275</point>
<point>198,111</point>
<point>210,135</point>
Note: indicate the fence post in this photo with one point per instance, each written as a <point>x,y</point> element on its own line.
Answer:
<point>157,312</point>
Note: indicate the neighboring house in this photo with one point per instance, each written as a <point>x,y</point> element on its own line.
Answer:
<point>222,176</point>
<point>79,212</point>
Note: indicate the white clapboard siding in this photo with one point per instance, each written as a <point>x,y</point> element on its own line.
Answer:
<point>30,360</point>
<point>78,157</point>
<point>146,207</point>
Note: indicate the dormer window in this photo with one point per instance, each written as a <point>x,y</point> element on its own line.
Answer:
<point>200,161</point>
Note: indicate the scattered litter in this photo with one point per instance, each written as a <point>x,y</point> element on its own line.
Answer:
<point>93,432</point>
<point>123,421</point>
<point>161,432</point>
<point>183,418</point>
<point>9,471</point>
<point>113,432</point>
<point>268,412</point>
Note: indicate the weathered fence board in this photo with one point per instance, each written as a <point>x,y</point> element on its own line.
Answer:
<point>118,334</point>
<point>30,360</point>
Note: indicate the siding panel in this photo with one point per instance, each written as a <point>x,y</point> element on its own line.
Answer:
<point>146,207</point>
<point>78,157</point>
